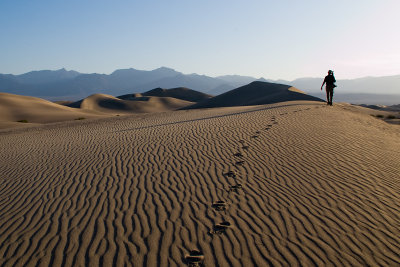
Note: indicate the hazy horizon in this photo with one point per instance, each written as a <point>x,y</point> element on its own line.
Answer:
<point>227,74</point>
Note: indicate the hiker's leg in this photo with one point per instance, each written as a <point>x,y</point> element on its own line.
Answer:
<point>327,96</point>
<point>330,96</point>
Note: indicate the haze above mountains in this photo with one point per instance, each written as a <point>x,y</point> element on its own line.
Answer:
<point>71,85</point>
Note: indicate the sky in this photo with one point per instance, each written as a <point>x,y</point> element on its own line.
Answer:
<point>274,39</point>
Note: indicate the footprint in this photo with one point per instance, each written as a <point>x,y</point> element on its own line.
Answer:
<point>231,174</point>
<point>220,228</point>
<point>254,136</point>
<point>235,188</point>
<point>219,205</point>
<point>258,132</point>
<point>195,258</point>
<point>245,147</point>
<point>241,141</point>
<point>240,155</point>
<point>240,163</point>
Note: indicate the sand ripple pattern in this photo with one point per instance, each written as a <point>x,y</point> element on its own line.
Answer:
<point>319,186</point>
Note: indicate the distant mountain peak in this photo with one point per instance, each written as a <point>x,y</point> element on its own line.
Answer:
<point>118,71</point>
<point>46,76</point>
<point>166,70</point>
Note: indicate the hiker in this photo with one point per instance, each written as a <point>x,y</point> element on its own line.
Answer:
<point>330,84</point>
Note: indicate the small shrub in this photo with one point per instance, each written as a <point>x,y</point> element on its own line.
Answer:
<point>23,121</point>
<point>379,116</point>
<point>391,117</point>
<point>80,118</point>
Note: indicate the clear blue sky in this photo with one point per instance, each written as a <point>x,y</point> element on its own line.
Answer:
<point>271,39</point>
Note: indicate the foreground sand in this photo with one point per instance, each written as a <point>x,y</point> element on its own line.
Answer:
<point>320,186</point>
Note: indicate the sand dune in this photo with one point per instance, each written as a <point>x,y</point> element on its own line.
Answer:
<point>34,110</point>
<point>287,184</point>
<point>179,93</point>
<point>182,93</point>
<point>130,96</point>
<point>255,93</point>
<point>389,115</point>
<point>138,104</point>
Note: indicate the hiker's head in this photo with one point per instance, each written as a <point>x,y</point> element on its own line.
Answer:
<point>330,72</point>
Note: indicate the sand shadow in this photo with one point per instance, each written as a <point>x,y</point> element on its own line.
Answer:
<point>235,188</point>
<point>219,205</point>
<point>230,174</point>
<point>220,228</point>
<point>194,259</point>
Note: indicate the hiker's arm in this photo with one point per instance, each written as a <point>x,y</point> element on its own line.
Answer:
<point>322,85</point>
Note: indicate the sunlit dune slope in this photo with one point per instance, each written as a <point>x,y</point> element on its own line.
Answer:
<point>140,104</point>
<point>14,108</point>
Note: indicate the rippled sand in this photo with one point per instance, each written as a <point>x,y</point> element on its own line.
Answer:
<point>294,183</point>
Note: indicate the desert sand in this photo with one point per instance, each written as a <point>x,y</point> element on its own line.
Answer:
<point>285,184</point>
<point>33,110</point>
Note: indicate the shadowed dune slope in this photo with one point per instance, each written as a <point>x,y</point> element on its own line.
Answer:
<point>36,110</point>
<point>297,183</point>
<point>255,93</point>
<point>137,104</point>
<point>180,93</point>
<point>130,96</point>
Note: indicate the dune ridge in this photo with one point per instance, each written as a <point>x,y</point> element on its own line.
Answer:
<point>318,186</point>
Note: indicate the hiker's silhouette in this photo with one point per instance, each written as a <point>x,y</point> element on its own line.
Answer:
<point>330,84</point>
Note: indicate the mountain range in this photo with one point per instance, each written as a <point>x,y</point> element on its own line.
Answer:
<point>72,85</point>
